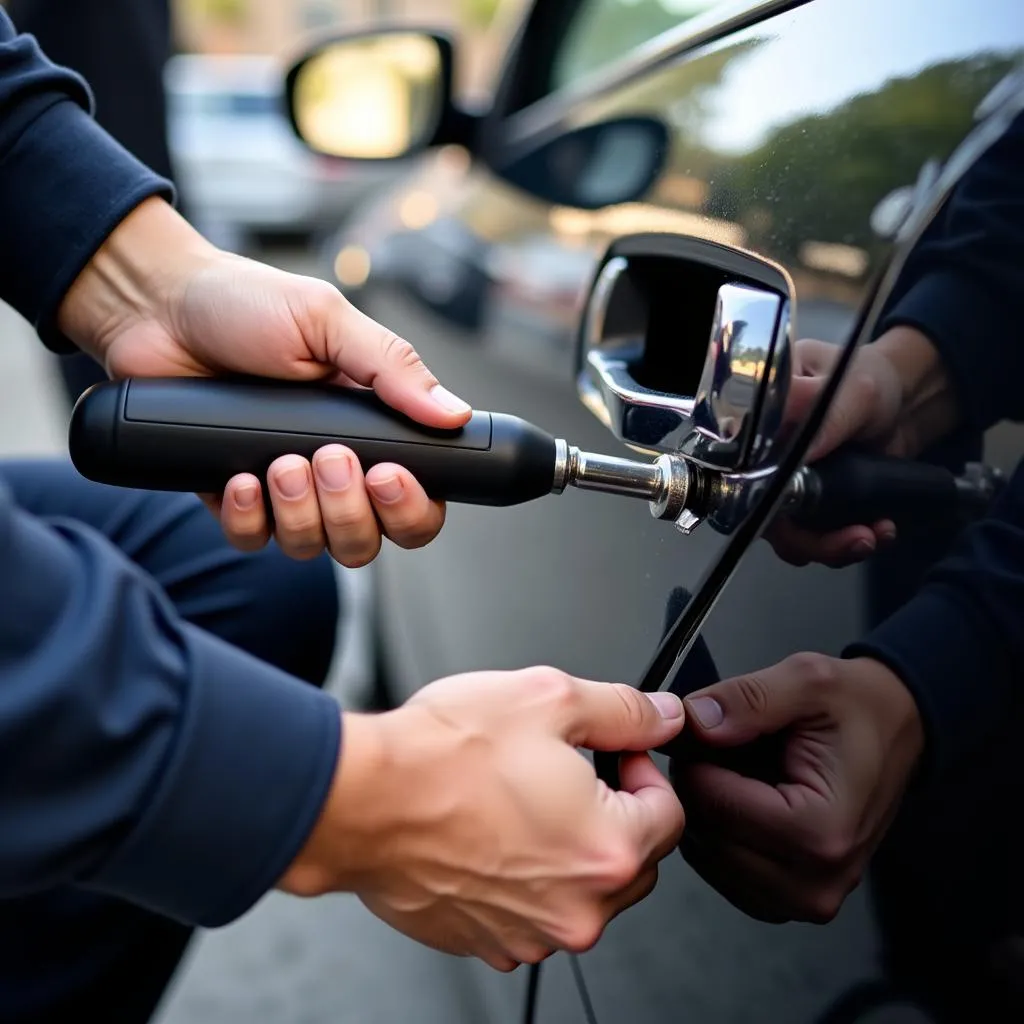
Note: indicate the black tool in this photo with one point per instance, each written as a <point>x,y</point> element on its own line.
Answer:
<point>194,434</point>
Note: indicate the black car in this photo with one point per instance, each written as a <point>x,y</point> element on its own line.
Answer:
<point>689,168</point>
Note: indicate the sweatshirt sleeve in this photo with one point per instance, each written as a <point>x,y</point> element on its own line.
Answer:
<point>140,756</point>
<point>958,644</point>
<point>962,284</point>
<point>65,184</point>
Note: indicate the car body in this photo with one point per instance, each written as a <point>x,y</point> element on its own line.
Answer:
<point>240,169</point>
<point>805,134</point>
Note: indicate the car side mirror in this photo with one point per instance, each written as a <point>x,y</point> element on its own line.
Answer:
<point>379,95</point>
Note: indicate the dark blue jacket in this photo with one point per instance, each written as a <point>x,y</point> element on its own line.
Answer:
<point>138,755</point>
<point>959,643</point>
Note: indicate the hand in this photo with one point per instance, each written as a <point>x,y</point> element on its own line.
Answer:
<point>851,737</point>
<point>158,300</point>
<point>895,397</point>
<point>467,820</point>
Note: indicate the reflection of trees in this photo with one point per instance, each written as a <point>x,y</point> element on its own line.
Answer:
<point>606,30</point>
<point>832,169</point>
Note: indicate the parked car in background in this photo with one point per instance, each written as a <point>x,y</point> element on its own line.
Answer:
<point>239,166</point>
<point>640,160</point>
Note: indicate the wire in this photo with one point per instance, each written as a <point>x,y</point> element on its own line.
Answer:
<point>532,985</point>
<point>581,987</point>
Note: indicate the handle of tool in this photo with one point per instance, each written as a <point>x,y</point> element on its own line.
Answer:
<point>194,434</point>
<point>852,487</point>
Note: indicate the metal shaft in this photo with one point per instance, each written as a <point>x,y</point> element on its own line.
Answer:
<point>590,472</point>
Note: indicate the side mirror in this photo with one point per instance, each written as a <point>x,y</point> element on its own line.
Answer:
<point>614,161</point>
<point>380,95</point>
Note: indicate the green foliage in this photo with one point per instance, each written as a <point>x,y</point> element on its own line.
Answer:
<point>831,170</point>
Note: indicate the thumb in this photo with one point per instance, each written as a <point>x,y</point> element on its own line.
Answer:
<point>739,710</point>
<point>375,357</point>
<point>616,716</point>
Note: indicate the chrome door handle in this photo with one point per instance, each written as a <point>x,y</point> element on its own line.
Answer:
<point>733,315</point>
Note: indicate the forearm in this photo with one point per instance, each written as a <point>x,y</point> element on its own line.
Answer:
<point>930,409</point>
<point>147,759</point>
<point>64,183</point>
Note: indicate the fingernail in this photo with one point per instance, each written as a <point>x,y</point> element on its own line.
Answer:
<point>292,483</point>
<point>862,549</point>
<point>334,472</point>
<point>706,710</point>
<point>388,490</point>
<point>887,534</point>
<point>668,704</point>
<point>448,401</point>
<point>246,497</point>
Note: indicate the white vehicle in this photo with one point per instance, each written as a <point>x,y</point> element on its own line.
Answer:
<point>240,168</point>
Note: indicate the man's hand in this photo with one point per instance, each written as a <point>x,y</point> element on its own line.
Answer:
<point>894,398</point>
<point>467,820</point>
<point>851,737</point>
<point>158,300</point>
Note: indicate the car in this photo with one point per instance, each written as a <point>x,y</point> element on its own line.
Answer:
<point>241,171</point>
<point>654,179</point>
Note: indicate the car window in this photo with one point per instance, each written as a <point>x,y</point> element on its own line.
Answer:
<point>601,31</point>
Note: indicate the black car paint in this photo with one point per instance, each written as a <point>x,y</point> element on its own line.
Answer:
<point>792,125</point>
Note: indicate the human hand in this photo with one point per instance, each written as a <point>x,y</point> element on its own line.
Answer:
<point>467,820</point>
<point>894,398</point>
<point>850,735</point>
<point>158,300</point>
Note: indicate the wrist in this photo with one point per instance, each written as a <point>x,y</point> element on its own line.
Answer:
<point>928,410</point>
<point>135,276</point>
<point>895,709</point>
<point>340,851</point>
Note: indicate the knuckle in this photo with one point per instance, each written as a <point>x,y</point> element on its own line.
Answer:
<point>812,669</point>
<point>557,686</point>
<point>584,932</point>
<point>356,558</point>
<point>531,953</point>
<point>400,352</point>
<point>621,867</point>
<point>823,906</point>
<point>634,713</point>
<point>831,850</point>
<point>753,691</point>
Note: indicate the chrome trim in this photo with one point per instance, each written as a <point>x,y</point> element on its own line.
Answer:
<point>737,371</point>
<point>561,477</point>
<point>721,20</point>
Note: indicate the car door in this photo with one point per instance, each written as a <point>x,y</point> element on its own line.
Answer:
<point>802,135</point>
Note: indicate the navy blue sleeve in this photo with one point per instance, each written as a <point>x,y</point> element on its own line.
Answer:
<point>962,285</point>
<point>958,644</point>
<point>138,755</point>
<point>64,183</point>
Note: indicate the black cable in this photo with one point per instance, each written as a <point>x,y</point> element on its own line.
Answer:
<point>532,985</point>
<point>581,988</point>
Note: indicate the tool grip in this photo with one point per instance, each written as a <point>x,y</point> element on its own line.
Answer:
<point>194,434</point>
<point>851,487</point>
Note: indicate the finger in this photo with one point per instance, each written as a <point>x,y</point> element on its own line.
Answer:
<point>650,800</point>
<point>754,884</point>
<point>410,519</point>
<point>375,357</point>
<point>646,810</point>
<point>616,716</point>
<point>637,891</point>
<point>242,515</point>
<point>772,819</point>
<point>738,710</point>
<point>837,549</point>
<point>353,535</point>
<point>299,530</point>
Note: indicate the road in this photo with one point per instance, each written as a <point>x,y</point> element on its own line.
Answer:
<point>330,960</point>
